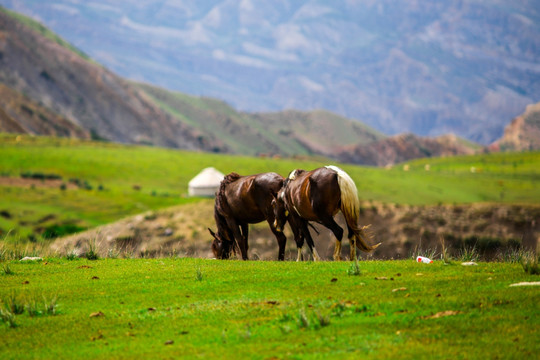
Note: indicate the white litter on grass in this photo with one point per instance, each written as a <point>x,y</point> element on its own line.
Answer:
<point>525,283</point>
<point>424,260</point>
<point>31,258</point>
<point>469,263</point>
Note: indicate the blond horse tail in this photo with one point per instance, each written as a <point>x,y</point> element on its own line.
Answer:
<point>350,206</point>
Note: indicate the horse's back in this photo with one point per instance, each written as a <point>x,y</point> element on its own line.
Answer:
<point>270,182</point>
<point>315,191</point>
<point>249,197</point>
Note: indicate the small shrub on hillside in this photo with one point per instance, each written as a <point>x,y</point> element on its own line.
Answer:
<point>32,308</point>
<point>530,264</point>
<point>468,253</point>
<point>354,269</point>
<point>14,304</point>
<point>81,184</point>
<point>6,270</point>
<point>50,305</point>
<point>91,253</point>
<point>302,320</point>
<point>113,253</point>
<point>8,317</point>
<point>322,320</point>
<point>199,274</point>
<point>40,176</point>
<point>72,255</point>
<point>59,230</point>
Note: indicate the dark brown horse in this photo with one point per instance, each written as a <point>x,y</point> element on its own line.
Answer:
<point>318,195</point>
<point>243,200</point>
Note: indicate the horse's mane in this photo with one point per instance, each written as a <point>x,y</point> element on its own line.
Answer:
<point>221,202</point>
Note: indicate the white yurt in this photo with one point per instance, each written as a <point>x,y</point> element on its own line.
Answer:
<point>206,183</point>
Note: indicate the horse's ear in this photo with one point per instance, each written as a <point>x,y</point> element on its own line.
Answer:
<point>212,233</point>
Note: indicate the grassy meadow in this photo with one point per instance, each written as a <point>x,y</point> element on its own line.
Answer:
<point>103,182</point>
<point>195,308</point>
<point>71,308</point>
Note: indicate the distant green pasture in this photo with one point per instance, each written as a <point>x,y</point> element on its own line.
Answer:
<point>124,180</point>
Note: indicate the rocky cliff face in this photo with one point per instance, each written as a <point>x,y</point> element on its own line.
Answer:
<point>400,148</point>
<point>523,133</point>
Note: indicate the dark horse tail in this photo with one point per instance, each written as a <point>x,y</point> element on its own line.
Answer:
<point>221,207</point>
<point>350,206</point>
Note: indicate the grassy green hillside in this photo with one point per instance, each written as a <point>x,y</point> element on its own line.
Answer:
<point>39,28</point>
<point>287,132</point>
<point>194,308</point>
<point>102,182</point>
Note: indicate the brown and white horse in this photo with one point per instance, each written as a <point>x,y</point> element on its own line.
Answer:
<point>318,195</point>
<point>240,201</point>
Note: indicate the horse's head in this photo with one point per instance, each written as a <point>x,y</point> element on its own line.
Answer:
<point>280,210</point>
<point>220,247</point>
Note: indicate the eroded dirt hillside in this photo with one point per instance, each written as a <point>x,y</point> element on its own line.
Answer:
<point>402,230</point>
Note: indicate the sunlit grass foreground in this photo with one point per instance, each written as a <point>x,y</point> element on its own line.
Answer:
<point>172,308</point>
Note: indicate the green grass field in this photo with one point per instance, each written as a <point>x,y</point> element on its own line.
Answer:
<point>122,180</point>
<point>194,308</point>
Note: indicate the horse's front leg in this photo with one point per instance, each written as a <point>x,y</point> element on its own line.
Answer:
<point>309,240</point>
<point>281,239</point>
<point>296,226</point>
<point>238,237</point>
<point>244,242</point>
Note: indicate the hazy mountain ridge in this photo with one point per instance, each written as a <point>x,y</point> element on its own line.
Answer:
<point>462,67</point>
<point>67,94</point>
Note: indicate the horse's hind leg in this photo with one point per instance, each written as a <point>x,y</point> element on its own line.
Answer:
<point>330,223</point>
<point>352,242</point>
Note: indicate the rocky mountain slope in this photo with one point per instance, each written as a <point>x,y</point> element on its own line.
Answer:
<point>82,94</point>
<point>286,133</point>
<point>19,114</point>
<point>523,133</point>
<point>67,94</point>
<point>50,88</point>
<point>400,148</point>
<point>428,68</point>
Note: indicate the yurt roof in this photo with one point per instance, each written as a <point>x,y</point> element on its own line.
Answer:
<point>207,177</point>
